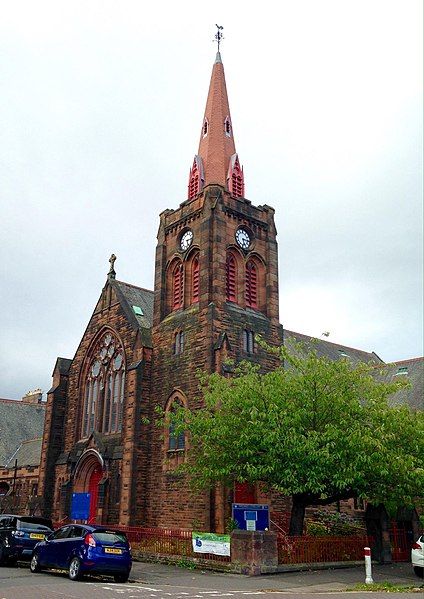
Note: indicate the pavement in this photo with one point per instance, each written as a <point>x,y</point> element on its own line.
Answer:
<point>303,582</point>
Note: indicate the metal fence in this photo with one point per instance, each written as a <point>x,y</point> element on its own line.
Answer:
<point>309,550</point>
<point>166,542</point>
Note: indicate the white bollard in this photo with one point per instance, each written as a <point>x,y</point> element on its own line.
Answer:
<point>368,568</point>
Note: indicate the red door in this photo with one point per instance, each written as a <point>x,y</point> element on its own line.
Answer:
<point>93,489</point>
<point>244,493</point>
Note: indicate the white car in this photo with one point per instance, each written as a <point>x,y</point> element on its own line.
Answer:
<point>417,556</point>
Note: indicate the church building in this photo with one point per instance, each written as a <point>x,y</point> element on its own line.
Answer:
<point>215,290</point>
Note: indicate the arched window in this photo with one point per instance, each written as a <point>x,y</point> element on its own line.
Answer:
<point>176,440</point>
<point>179,342</point>
<point>195,280</point>
<point>251,285</point>
<point>194,181</point>
<point>104,387</point>
<point>231,278</point>
<point>248,341</point>
<point>237,185</point>
<point>177,286</point>
<point>235,177</point>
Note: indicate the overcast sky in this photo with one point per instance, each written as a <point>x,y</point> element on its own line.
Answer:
<point>101,105</point>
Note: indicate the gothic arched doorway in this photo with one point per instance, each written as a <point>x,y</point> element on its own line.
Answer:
<point>93,489</point>
<point>88,474</point>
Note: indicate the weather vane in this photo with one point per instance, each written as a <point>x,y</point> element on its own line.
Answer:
<point>219,35</point>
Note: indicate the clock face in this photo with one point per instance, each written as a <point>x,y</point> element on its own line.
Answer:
<point>243,238</point>
<point>186,240</point>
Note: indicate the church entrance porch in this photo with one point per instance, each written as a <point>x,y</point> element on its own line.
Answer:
<point>87,479</point>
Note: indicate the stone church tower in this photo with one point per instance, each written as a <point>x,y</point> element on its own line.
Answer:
<point>216,287</point>
<point>215,290</point>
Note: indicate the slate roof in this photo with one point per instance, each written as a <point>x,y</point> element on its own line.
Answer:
<point>27,454</point>
<point>413,371</point>
<point>333,351</point>
<point>63,364</point>
<point>18,421</point>
<point>131,296</point>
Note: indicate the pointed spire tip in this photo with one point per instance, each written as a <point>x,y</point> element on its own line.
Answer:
<point>218,58</point>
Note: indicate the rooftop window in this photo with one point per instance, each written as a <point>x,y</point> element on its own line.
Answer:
<point>138,311</point>
<point>402,370</point>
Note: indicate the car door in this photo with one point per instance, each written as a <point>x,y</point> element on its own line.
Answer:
<point>55,548</point>
<point>74,541</point>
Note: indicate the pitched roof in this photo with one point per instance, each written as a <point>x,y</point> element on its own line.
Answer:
<point>137,304</point>
<point>413,371</point>
<point>27,454</point>
<point>63,365</point>
<point>334,351</point>
<point>18,421</point>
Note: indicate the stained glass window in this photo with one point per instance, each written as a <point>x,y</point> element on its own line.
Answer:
<point>104,388</point>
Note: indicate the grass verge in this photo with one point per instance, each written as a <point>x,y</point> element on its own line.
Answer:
<point>388,587</point>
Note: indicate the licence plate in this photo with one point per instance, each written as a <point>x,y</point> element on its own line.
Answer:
<point>113,550</point>
<point>33,535</point>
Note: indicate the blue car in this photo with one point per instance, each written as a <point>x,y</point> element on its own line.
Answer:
<point>84,549</point>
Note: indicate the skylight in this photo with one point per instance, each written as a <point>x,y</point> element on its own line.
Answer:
<point>343,353</point>
<point>138,311</point>
<point>402,370</point>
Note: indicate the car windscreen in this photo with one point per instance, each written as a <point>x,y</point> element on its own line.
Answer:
<point>110,538</point>
<point>31,525</point>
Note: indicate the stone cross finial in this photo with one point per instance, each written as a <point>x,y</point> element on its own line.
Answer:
<point>112,274</point>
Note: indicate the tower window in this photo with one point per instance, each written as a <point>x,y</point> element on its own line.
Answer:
<point>177,286</point>
<point>196,178</point>
<point>251,291</point>
<point>235,177</point>
<point>230,278</point>
<point>174,439</point>
<point>179,343</point>
<point>248,341</point>
<point>227,126</point>
<point>205,127</point>
<point>237,185</point>
<point>195,280</point>
<point>193,185</point>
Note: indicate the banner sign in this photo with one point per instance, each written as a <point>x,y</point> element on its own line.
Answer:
<point>209,542</point>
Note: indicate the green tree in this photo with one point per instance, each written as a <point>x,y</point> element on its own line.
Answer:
<point>316,430</point>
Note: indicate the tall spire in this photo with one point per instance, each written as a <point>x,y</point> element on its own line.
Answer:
<point>216,161</point>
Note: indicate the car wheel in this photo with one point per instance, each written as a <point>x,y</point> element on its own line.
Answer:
<point>121,577</point>
<point>75,569</point>
<point>34,564</point>
<point>419,571</point>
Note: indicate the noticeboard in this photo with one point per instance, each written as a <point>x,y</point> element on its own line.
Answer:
<point>80,506</point>
<point>251,516</point>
